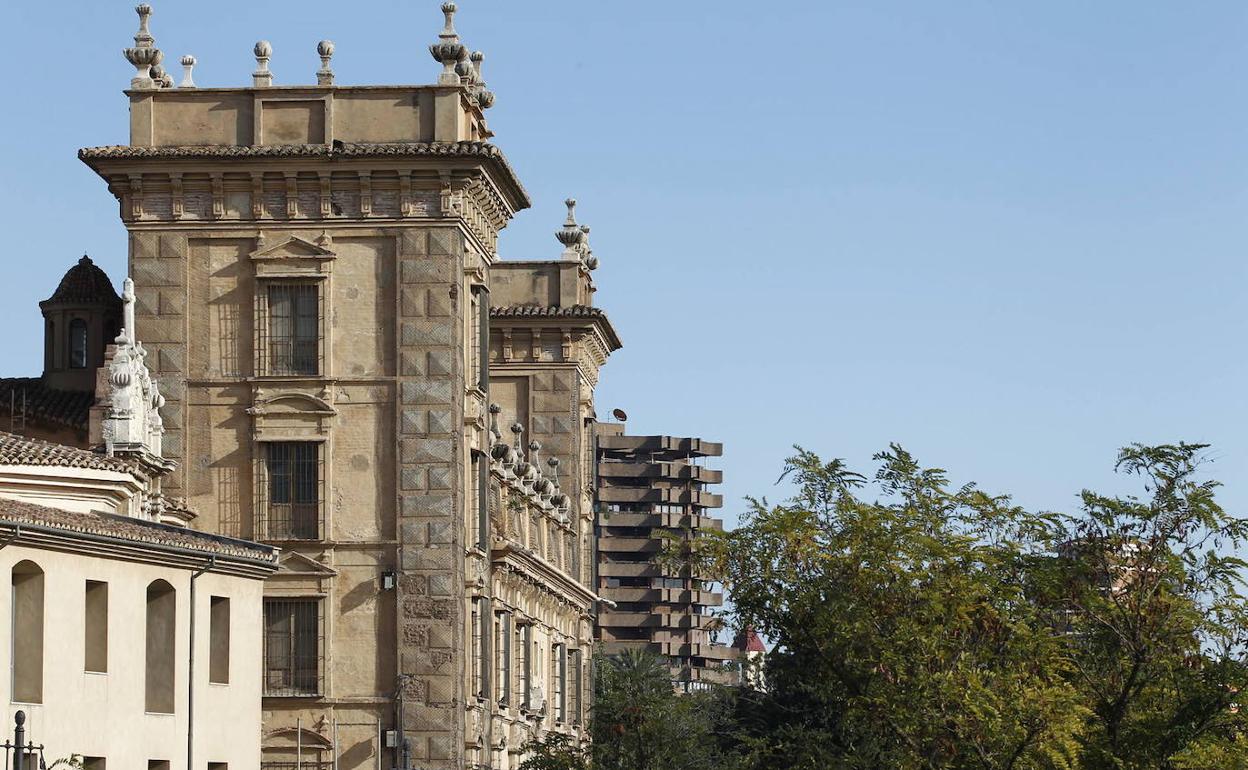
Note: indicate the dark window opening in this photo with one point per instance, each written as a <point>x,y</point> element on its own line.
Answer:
<point>294,329</point>
<point>77,344</point>
<point>294,499</point>
<point>291,647</point>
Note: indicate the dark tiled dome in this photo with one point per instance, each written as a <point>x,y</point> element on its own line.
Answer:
<point>85,283</point>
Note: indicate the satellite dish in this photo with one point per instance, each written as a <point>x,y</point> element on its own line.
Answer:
<point>619,415</point>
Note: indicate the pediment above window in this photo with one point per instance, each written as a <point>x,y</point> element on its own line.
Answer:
<point>293,256</point>
<point>292,415</point>
<point>293,564</point>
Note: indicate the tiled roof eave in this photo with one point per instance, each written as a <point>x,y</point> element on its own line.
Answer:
<point>134,539</point>
<point>594,315</point>
<point>485,150</point>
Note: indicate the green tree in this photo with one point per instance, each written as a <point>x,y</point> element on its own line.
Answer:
<point>639,721</point>
<point>555,752</point>
<point>1157,625</point>
<point>903,634</point>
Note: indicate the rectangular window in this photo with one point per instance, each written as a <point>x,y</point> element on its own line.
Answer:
<point>480,500</point>
<point>502,635</point>
<point>93,763</point>
<point>294,329</point>
<point>95,624</point>
<point>292,646</point>
<point>523,666</point>
<point>218,766</point>
<point>294,508</point>
<point>480,651</point>
<point>219,640</point>
<point>576,684</point>
<point>157,764</point>
<point>559,681</point>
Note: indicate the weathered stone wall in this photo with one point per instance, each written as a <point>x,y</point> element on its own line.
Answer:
<point>432,596</point>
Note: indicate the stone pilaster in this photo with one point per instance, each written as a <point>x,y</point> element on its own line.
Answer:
<point>158,267</point>
<point>432,593</point>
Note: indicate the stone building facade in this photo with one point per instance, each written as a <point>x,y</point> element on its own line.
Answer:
<point>650,488</point>
<point>315,268</point>
<point>120,615</point>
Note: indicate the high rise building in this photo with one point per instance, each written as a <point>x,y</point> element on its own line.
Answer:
<point>316,266</point>
<point>651,494</point>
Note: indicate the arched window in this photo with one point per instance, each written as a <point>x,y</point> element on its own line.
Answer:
<point>161,647</point>
<point>77,344</point>
<point>27,630</point>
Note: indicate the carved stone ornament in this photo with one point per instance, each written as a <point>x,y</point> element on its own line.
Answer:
<point>131,422</point>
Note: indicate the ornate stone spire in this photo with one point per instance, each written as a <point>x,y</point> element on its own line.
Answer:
<point>325,75</point>
<point>144,55</point>
<point>570,235</point>
<point>262,77</point>
<point>129,401</point>
<point>188,65</point>
<point>449,50</point>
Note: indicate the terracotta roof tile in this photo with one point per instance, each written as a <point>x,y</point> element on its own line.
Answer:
<point>66,408</point>
<point>85,283</point>
<point>134,530</point>
<point>19,450</point>
<point>539,311</point>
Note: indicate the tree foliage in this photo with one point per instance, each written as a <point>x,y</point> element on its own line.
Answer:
<point>932,626</point>
<point>919,625</point>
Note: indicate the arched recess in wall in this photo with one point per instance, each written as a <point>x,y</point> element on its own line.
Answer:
<point>160,664</point>
<point>286,746</point>
<point>27,630</point>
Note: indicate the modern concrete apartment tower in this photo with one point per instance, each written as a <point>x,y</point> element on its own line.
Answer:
<point>648,485</point>
<point>313,265</point>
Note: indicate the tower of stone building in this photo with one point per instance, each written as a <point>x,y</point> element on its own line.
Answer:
<point>314,266</point>
<point>81,318</point>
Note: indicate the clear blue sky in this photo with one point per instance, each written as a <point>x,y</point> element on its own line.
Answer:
<point>1010,236</point>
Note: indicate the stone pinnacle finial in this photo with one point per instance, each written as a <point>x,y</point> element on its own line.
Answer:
<point>262,77</point>
<point>495,411</point>
<point>127,311</point>
<point>570,235</point>
<point>144,54</point>
<point>449,51</point>
<point>587,252</point>
<point>188,64</point>
<point>325,75</point>
<point>485,97</point>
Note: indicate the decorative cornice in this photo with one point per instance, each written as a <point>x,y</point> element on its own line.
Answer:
<point>508,557</point>
<point>609,339</point>
<point>520,197</point>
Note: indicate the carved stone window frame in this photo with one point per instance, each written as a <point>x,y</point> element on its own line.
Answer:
<point>293,260</point>
<point>292,416</point>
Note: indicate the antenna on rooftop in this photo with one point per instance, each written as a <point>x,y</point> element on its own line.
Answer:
<point>619,414</point>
